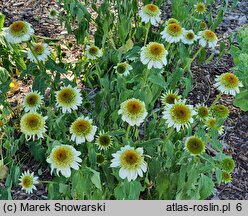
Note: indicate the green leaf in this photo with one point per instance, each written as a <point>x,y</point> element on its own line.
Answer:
<point>155,167</point>
<point>53,192</point>
<point>52,65</point>
<point>37,150</point>
<point>162,184</point>
<point>209,59</point>
<point>158,79</point>
<point>206,187</point>
<point>63,188</point>
<point>222,50</point>
<point>95,178</point>
<point>128,190</point>
<point>241,100</point>
<point>218,175</point>
<point>4,75</point>
<point>218,20</point>
<point>2,17</point>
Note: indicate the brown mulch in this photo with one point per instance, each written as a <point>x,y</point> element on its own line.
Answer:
<point>235,138</point>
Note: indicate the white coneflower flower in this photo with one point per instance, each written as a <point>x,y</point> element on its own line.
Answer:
<point>93,52</point>
<point>154,55</point>
<point>82,130</point>
<point>53,13</point>
<point>150,13</point>
<point>33,124</point>
<point>133,111</point>
<point>131,162</point>
<point>207,37</point>
<point>179,115</point>
<point>28,181</point>
<point>171,21</point>
<point>170,97</point>
<point>104,141</point>
<point>211,123</point>
<point>40,50</point>
<point>172,33</point>
<point>32,101</point>
<point>200,8</point>
<point>63,158</point>
<point>228,83</point>
<point>18,31</point>
<point>202,112</point>
<point>68,98</point>
<point>189,37</point>
<point>123,69</point>
<point>194,145</point>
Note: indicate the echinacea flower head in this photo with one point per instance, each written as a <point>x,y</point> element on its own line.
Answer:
<point>171,21</point>
<point>228,83</point>
<point>150,13</point>
<point>179,115</point>
<point>207,37</point>
<point>194,145</point>
<point>170,97</point>
<point>18,31</point>
<point>220,111</point>
<point>226,177</point>
<point>211,123</point>
<point>53,13</point>
<point>202,112</point>
<point>203,25</point>
<point>200,8</point>
<point>33,124</point>
<point>228,164</point>
<point>123,69</point>
<point>131,162</point>
<point>100,159</point>
<point>63,158</point>
<point>189,37</point>
<point>32,101</point>
<point>82,130</point>
<point>28,181</point>
<point>133,111</point>
<point>104,141</point>
<point>154,55</point>
<point>68,98</point>
<point>39,51</point>
<point>93,52</point>
<point>173,33</point>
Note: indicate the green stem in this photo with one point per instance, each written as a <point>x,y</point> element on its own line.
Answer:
<point>137,133</point>
<point>168,46</point>
<point>146,77</point>
<point>196,54</point>
<point>169,134</point>
<point>48,137</point>
<point>147,31</point>
<point>48,182</point>
<point>216,99</point>
<point>1,151</point>
<point>127,132</point>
